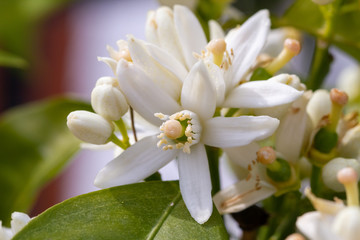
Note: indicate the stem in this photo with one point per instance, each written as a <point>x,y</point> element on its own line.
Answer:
<point>320,65</point>
<point>213,155</point>
<point>122,128</point>
<point>133,123</point>
<point>315,181</point>
<point>117,141</point>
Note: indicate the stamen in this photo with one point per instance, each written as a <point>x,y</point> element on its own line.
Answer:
<point>349,178</point>
<point>338,100</point>
<point>291,49</point>
<point>217,47</point>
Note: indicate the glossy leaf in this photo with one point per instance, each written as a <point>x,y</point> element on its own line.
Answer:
<point>149,210</point>
<point>34,146</point>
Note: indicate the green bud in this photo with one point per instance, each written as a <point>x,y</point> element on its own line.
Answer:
<point>279,170</point>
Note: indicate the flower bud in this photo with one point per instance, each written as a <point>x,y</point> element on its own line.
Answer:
<point>349,81</point>
<point>346,223</point>
<point>107,100</point>
<point>89,127</point>
<point>18,221</point>
<point>331,169</point>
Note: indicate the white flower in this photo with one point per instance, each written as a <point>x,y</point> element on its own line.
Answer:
<point>184,129</point>
<point>228,58</point>
<point>89,127</point>
<point>349,81</point>
<point>107,99</point>
<point>254,185</point>
<point>18,222</point>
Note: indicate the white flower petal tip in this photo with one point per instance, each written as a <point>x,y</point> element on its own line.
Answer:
<point>261,94</point>
<point>136,163</point>
<point>237,131</point>
<point>195,183</point>
<point>202,216</point>
<point>242,195</point>
<point>190,33</point>
<point>323,205</point>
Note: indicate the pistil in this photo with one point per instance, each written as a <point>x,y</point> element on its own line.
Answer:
<point>349,178</point>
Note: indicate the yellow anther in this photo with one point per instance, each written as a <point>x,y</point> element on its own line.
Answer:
<point>291,48</point>
<point>217,47</point>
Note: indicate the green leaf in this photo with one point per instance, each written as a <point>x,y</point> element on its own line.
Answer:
<point>34,146</point>
<point>149,210</point>
<point>306,15</point>
<point>11,60</point>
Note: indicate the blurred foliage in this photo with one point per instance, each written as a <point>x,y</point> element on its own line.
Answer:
<point>10,60</point>
<point>19,23</point>
<point>35,144</point>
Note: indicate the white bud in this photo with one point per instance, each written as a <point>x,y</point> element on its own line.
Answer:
<point>18,221</point>
<point>89,127</point>
<point>318,106</point>
<point>107,99</point>
<point>350,144</point>
<point>349,81</point>
<point>322,2</point>
<point>330,170</point>
<point>346,223</point>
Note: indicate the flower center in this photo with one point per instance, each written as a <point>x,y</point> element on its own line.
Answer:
<point>179,131</point>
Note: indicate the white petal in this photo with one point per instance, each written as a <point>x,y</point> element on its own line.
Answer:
<point>18,221</point>
<point>242,195</point>
<point>168,38</point>
<point>190,33</point>
<point>160,75</point>
<point>143,94</point>
<point>136,163</point>
<point>217,77</point>
<point>110,62</point>
<point>319,106</point>
<point>290,140</point>
<point>237,131</point>
<point>350,144</point>
<point>316,226</point>
<point>247,43</point>
<point>167,61</point>
<point>261,94</point>
<point>242,156</point>
<point>150,28</point>
<point>198,93</point>
<point>216,32</point>
<point>195,182</point>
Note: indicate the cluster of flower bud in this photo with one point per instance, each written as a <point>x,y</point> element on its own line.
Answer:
<point>109,103</point>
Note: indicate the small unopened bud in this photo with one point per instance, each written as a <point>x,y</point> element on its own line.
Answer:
<point>291,48</point>
<point>338,97</point>
<point>107,99</point>
<point>18,221</point>
<point>266,155</point>
<point>295,236</point>
<point>217,47</point>
<point>331,169</point>
<point>89,127</point>
<point>349,178</point>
